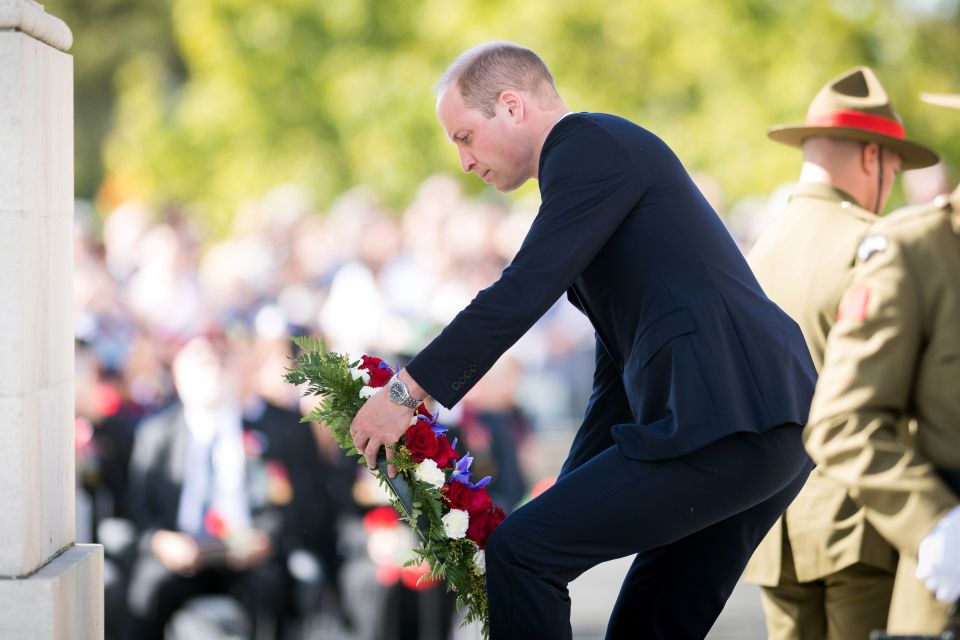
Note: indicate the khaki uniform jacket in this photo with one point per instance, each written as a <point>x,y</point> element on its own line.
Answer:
<point>886,413</point>
<point>804,263</point>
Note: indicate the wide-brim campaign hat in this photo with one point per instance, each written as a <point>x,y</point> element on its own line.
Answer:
<point>855,106</point>
<point>951,101</point>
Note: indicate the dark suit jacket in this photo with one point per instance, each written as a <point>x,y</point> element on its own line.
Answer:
<point>689,347</point>
<point>310,518</point>
<point>156,475</point>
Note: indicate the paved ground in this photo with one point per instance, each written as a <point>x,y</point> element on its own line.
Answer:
<point>593,594</point>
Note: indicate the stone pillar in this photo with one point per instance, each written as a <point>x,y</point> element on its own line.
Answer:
<point>49,586</point>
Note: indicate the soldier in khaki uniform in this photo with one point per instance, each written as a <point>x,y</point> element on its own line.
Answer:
<point>885,420</point>
<point>825,571</point>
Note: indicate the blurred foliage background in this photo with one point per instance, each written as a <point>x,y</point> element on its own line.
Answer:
<point>204,103</point>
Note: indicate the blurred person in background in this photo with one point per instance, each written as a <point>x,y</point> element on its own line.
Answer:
<point>749,217</point>
<point>123,230</point>
<point>357,309</point>
<point>204,526</point>
<point>423,222</point>
<point>926,184</point>
<point>108,433</point>
<point>164,290</point>
<point>493,429</point>
<point>300,480</point>
<point>104,441</point>
<point>825,570</point>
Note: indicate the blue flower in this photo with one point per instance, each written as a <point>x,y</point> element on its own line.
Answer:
<point>434,425</point>
<point>461,473</point>
<point>384,365</point>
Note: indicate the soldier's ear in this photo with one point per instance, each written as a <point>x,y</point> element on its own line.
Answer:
<point>869,158</point>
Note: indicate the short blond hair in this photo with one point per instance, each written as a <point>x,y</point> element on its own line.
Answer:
<point>486,71</point>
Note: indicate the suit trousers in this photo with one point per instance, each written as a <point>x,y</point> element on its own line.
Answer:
<point>693,523</point>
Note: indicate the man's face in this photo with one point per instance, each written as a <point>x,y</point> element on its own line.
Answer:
<point>199,375</point>
<point>493,148</point>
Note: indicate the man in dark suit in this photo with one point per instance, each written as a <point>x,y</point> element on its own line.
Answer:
<point>301,482</point>
<point>204,527</point>
<point>690,447</point>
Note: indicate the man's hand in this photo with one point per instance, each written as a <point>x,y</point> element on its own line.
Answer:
<point>177,551</point>
<point>254,550</point>
<point>938,558</point>
<point>380,421</point>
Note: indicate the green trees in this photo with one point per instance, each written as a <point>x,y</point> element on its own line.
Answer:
<point>216,100</point>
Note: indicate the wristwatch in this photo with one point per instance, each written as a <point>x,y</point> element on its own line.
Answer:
<point>399,393</point>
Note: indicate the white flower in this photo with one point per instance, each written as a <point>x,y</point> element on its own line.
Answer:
<point>360,374</point>
<point>480,561</point>
<point>369,392</point>
<point>414,419</point>
<point>428,471</point>
<point>455,523</point>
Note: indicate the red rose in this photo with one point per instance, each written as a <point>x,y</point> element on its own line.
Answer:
<point>369,362</point>
<point>446,454</point>
<point>483,523</point>
<point>422,442</point>
<point>379,375</point>
<point>463,497</point>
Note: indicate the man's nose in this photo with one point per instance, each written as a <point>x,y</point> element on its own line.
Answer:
<point>467,161</point>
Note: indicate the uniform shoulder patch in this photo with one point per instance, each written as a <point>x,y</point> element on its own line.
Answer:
<point>853,305</point>
<point>871,245</point>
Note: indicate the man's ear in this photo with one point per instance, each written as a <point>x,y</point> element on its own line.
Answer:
<point>512,102</point>
<point>868,158</point>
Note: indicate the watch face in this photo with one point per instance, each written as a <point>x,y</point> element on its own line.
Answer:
<point>396,393</point>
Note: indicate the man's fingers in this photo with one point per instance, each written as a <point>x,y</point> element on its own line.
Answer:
<point>353,431</point>
<point>359,442</point>
<point>391,470</point>
<point>370,453</point>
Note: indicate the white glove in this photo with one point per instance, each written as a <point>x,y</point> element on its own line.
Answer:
<point>938,558</point>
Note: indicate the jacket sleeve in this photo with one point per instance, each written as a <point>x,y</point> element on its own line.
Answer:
<point>587,192</point>
<point>860,422</point>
